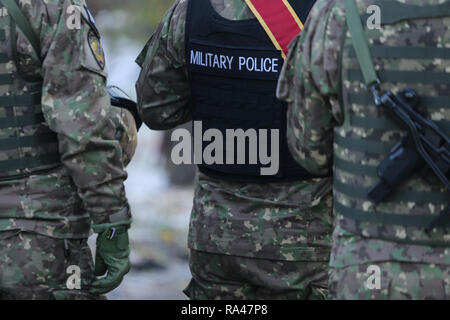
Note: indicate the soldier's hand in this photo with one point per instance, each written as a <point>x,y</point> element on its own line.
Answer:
<point>111,257</point>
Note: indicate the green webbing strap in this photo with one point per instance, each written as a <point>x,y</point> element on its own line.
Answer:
<point>360,43</point>
<point>356,168</point>
<point>405,52</point>
<point>384,124</point>
<point>4,58</point>
<point>2,35</point>
<point>32,162</point>
<point>352,167</point>
<point>365,99</point>
<point>27,141</point>
<point>368,146</point>
<point>13,122</point>
<point>422,77</point>
<point>17,15</point>
<point>411,220</point>
<point>6,79</point>
<point>25,100</point>
<point>374,123</point>
<point>398,196</point>
<point>22,100</point>
<point>433,104</point>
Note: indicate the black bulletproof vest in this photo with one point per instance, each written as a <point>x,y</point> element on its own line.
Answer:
<point>233,71</point>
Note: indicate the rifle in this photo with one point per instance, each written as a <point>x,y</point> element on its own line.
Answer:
<point>423,146</point>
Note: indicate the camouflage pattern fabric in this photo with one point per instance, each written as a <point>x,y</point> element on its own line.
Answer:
<point>33,266</point>
<point>88,186</point>
<point>126,132</point>
<point>222,277</point>
<point>278,221</point>
<point>399,281</point>
<point>406,271</point>
<point>413,265</point>
<point>271,222</point>
<point>43,213</point>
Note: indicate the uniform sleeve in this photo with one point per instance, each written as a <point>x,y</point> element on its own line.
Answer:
<point>76,105</point>
<point>162,88</point>
<point>310,84</point>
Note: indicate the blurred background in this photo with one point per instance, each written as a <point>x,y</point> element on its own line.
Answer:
<point>160,193</point>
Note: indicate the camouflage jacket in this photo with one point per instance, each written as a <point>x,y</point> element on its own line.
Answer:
<point>312,85</point>
<point>88,186</point>
<point>283,221</point>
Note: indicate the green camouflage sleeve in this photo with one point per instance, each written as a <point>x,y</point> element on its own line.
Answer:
<point>76,104</point>
<point>162,88</point>
<point>310,84</point>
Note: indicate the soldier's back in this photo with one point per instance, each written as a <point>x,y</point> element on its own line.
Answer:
<point>387,241</point>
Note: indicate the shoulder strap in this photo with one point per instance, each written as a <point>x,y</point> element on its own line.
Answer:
<point>360,43</point>
<point>279,20</point>
<point>24,25</point>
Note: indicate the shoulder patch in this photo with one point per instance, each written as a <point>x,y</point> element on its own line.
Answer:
<point>97,49</point>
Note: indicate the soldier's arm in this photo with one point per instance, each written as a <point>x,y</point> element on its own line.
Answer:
<point>76,106</point>
<point>310,84</point>
<point>162,88</point>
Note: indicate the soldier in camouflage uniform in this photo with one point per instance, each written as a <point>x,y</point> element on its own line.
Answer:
<point>247,240</point>
<point>61,164</point>
<point>329,105</point>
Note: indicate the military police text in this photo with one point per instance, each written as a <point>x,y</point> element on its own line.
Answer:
<point>225,62</point>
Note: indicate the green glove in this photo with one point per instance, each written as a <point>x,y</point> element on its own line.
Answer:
<point>111,257</point>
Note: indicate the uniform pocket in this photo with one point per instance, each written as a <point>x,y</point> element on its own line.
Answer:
<point>50,196</point>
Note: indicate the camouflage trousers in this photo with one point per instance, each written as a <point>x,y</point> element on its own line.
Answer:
<point>33,266</point>
<point>397,281</point>
<point>224,277</point>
